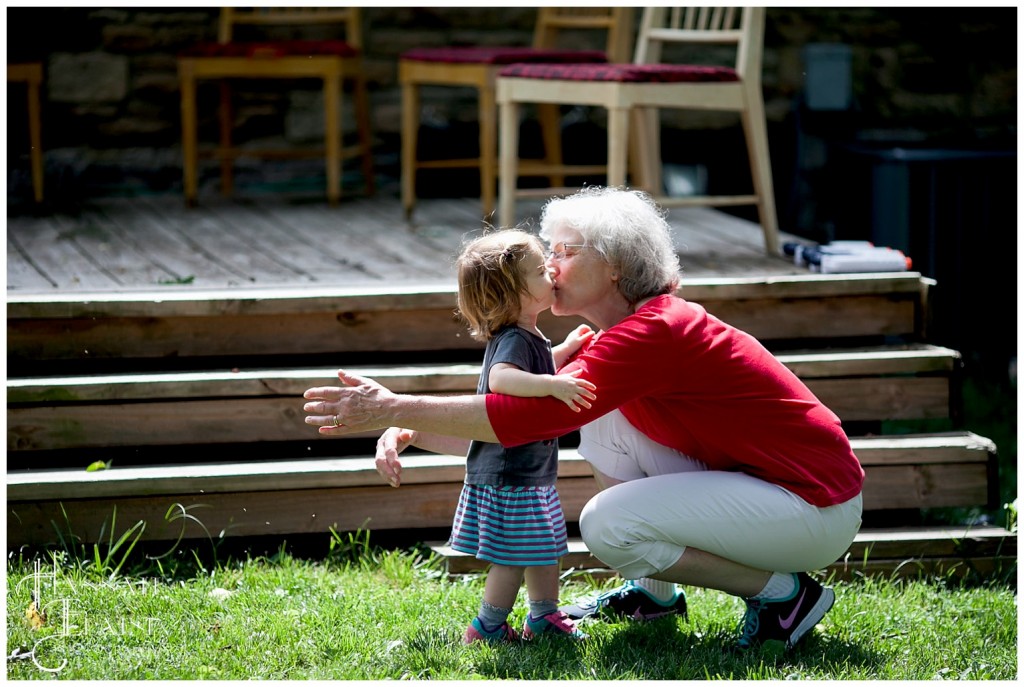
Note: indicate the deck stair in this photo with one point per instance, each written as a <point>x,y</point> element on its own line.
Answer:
<point>195,397</point>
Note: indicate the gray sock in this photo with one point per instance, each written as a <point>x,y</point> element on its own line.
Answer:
<point>492,617</point>
<point>539,609</point>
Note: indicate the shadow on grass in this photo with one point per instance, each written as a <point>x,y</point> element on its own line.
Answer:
<point>666,650</point>
<point>661,650</point>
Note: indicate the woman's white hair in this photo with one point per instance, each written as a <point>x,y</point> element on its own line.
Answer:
<point>627,229</point>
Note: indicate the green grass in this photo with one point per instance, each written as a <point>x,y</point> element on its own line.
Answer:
<point>371,614</point>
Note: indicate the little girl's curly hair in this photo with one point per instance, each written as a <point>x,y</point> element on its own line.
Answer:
<point>491,279</point>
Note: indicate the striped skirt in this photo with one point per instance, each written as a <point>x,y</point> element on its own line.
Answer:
<point>521,526</point>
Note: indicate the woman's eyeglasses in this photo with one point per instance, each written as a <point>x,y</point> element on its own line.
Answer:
<point>567,250</point>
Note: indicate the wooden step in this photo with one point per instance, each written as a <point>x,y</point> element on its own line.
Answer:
<point>299,496</point>
<point>946,551</point>
<point>910,382</point>
<point>245,323</point>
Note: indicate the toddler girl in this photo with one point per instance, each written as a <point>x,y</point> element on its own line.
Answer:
<point>509,513</point>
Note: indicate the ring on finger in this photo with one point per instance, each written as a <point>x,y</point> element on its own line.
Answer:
<point>335,420</point>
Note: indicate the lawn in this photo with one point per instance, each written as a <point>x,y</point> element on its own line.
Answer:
<point>367,613</point>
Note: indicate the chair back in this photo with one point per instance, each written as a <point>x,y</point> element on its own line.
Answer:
<point>348,18</point>
<point>742,28</point>
<point>553,23</point>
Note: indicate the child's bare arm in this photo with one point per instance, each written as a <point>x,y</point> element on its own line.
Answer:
<point>568,388</point>
<point>576,339</point>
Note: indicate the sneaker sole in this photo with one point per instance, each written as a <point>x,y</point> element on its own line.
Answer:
<point>638,616</point>
<point>818,611</point>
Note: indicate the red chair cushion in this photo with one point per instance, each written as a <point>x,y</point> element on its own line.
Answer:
<point>271,49</point>
<point>631,73</point>
<point>500,55</point>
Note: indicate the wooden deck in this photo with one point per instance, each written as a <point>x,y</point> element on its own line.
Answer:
<point>175,343</point>
<point>155,243</point>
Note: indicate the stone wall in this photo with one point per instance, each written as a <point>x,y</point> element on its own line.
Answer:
<point>111,98</point>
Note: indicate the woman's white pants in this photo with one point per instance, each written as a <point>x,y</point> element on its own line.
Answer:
<point>668,501</point>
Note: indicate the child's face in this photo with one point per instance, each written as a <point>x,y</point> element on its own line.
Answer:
<point>540,288</point>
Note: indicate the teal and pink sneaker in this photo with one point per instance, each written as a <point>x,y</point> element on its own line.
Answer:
<point>476,633</point>
<point>555,623</point>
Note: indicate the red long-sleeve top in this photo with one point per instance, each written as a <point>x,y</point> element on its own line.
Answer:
<point>691,382</point>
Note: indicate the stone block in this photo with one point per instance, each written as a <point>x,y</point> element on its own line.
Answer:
<point>87,78</point>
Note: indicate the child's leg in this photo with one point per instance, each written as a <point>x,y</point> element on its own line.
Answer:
<point>500,591</point>
<point>545,618</point>
<point>542,589</point>
<point>503,583</point>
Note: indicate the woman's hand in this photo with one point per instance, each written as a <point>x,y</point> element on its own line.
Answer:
<point>393,441</point>
<point>358,406</point>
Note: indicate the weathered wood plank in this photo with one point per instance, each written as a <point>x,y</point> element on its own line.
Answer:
<point>182,323</point>
<point>211,419</point>
<point>424,378</point>
<point>867,361</point>
<point>108,249</point>
<point>943,485</point>
<point>454,377</point>
<point>873,551</point>
<point>932,542</point>
<point>240,514</point>
<point>975,568</point>
<point>182,302</point>
<point>229,249</point>
<point>60,256</point>
<point>234,251</point>
<point>161,243</point>
<point>219,407</point>
<point>387,252</point>
<point>962,451</point>
<point>884,398</point>
<point>22,270</point>
<point>922,449</point>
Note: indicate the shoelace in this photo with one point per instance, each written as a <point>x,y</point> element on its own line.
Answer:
<point>751,621</point>
<point>615,593</point>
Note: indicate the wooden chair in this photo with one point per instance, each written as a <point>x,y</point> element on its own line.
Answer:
<point>334,61</point>
<point>31,74</point>
<point>478,67</point>
<point>639,88</point>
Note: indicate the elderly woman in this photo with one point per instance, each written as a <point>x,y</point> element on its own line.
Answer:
<point>718,468</point>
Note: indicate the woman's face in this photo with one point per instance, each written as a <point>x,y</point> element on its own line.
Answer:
<point>585,284</point>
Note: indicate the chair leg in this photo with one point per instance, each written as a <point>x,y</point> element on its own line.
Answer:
<point>549,116</point>
<point>227,158</point>
<point>645,161</point>
<point>362,109</point>
<point>410,133</point>
<point>332,134</point>
<point>35,140</point>
<point>618,142</point>
<point>756,133</point>
<point>488,147</point>
<point>509,160</point>
<point>190,160</point>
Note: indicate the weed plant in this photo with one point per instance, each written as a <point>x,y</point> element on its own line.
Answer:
<point>366,613</point>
